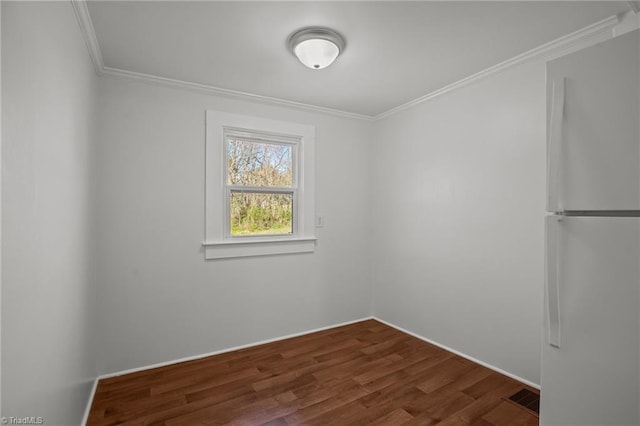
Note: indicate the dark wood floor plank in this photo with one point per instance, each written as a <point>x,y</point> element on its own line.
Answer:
<point>286,405</point>
<point>318,392</point>
<point>396,417</point>
<point>282,383</point>
<point>494,384</point>
<point>394,366</point>
<point>398,390</point>
<point>404,401</point>
<point>347,414</point>
<point>211,379</point>
<point>349,369</point>
<point>472,376</point>
<point>446,373</point>
<point>474,411</point>
<point>440,406</point>
<point>508,414</point>
<point>363,373</point>
<point>327,406</point>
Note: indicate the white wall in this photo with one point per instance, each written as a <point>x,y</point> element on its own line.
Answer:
<point>159,300</point>
<point>48,88</point>
<point>458,219</point>
<point>0,208</point>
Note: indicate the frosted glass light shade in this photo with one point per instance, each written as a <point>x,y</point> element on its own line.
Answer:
<point>316,48</point>
<point>317,53</point>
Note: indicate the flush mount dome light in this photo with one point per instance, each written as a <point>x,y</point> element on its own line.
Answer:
<point>316,47</point>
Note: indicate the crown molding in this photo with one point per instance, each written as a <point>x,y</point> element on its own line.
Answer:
<point>228,93</point>
<point>88,33</point>
<point>81,11</point>
<point>561,43</point>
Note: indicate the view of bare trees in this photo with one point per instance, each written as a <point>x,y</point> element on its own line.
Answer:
<point>259,174</point>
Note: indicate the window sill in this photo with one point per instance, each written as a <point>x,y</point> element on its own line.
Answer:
<point>246,248</point>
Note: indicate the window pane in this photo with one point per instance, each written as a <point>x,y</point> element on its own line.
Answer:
<point>259,164</point>
<point>261,214</point>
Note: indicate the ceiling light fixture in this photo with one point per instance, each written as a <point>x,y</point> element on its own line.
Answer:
<point>316,47</point>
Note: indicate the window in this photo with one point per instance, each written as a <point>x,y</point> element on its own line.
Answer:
<point>259,186</point>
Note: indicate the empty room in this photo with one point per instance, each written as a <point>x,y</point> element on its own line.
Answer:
<point>320,213</point>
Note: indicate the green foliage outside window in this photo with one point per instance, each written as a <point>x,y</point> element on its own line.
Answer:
<point>261,214</point>
<point>260,165</point>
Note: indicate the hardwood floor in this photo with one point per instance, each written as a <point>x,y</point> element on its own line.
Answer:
<point>364,373</point>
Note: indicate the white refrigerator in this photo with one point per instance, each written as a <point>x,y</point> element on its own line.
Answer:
<point>591,342</point>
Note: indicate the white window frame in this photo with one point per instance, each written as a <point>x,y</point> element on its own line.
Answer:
<point>219,243</point>
<point>294,144</point>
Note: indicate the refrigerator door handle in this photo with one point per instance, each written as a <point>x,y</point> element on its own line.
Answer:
<point>553,277</point>
<point>554,161</point>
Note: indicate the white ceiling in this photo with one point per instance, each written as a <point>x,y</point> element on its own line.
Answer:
<point>396,51</point>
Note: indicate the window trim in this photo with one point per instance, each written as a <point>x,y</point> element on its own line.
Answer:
<point>218,242</point>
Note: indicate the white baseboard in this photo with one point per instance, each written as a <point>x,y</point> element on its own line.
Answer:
<point>92,395</point>
<point>463,355</point>
<point>276,339</point>
<point>205,355</point>
<point>222,351</point>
